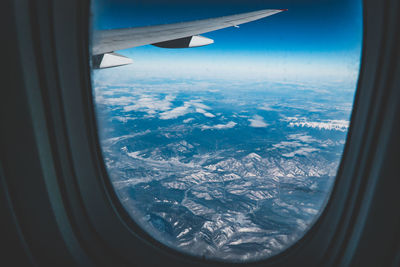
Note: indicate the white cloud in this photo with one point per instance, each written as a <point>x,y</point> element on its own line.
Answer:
<point>175,113</point>
<point>266,107</point>
<point>302,137</point>
<point>123,119</point>
<point>336,125</point>
<point>197,104</point>
<point>188,107</point>
<point>257,122</point>
<point>285,144</point>
<point>205,113</point>
<point>304,151</point>
<point>115,101</point>
<point>114,140</point>
<point>229,125</point>
<point>299,144</point>
<point>150,104</point>
<point>188,120</point>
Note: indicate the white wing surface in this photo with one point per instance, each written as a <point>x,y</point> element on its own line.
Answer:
<point>106,41</point>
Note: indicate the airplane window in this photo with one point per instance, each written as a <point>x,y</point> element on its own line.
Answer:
<point>222,136</point>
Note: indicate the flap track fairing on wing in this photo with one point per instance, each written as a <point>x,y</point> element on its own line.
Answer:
<point>186,42</point>
<point>109,60</point>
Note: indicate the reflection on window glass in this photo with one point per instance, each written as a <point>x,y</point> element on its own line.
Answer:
<point>229,151</point>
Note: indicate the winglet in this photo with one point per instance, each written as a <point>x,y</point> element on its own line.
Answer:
<point>284,9</point>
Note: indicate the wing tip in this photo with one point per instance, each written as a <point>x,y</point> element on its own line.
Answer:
<point>282,10</point>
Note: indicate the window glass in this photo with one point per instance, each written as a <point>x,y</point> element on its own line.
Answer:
<point>229,151</point>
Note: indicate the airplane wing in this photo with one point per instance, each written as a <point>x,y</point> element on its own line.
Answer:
<point>176,35</point>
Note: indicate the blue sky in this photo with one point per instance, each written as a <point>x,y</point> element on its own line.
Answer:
<point>313,35</point>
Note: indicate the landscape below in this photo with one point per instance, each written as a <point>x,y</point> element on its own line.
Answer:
<point>235,171</point>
